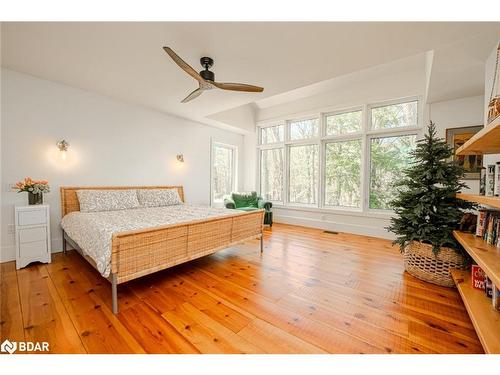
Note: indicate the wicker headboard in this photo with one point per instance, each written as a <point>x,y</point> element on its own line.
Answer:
<point>69,199</point>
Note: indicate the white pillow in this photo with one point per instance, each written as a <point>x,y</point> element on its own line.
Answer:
<point>158,197</point>
<point>107,200</point>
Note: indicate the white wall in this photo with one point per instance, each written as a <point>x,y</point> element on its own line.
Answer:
<point>385,82</point>
<point>489,77</point>
<point>455,114</point>
<point>111,143</point>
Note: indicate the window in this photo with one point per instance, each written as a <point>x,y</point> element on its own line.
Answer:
<point>223,171</point>
<point>343,173</point>
<point>303,129</point>
<point>303,180</point>
<point>347,159</point>
<point>394,115</point>
<point>343,123</point>
<point>271,167</point>
<point>271,134</point>
<point>388,156</point>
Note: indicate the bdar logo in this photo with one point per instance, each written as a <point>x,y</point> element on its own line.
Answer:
<point>8,347</point>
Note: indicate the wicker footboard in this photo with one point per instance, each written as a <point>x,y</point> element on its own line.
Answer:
<point>142,252</point>
<point>139,253</point>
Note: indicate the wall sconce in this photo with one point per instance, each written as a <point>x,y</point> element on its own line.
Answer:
<point>180,158</point>
<point>63,147</point>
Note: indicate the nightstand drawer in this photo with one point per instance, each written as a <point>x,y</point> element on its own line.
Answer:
<point>32,217</point>
<point>33,249</point>
<point>32,234</point>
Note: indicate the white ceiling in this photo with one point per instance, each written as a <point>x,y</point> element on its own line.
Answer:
<point>457,69</point>
<point>126,61</point>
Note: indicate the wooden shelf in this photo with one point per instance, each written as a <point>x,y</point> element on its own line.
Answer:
<point>487,256</point>
<point>485,319</point>
<point>481,199</point>
<point>486,141</point>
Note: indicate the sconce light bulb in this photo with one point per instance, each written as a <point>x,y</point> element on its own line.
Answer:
<point>62,145</point>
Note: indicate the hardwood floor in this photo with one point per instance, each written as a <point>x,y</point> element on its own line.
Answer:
<point>309,292</point>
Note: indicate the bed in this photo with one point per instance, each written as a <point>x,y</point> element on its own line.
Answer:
<point>126,245</point>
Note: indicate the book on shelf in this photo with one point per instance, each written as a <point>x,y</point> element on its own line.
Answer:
<point>496,298</point>
<point>496,185</point>
<point>488,226</point>
<point>477,277</point>
<point>489,180</point>
<point>482,181</point>
<point>483,283</point>
<point>488,287</point>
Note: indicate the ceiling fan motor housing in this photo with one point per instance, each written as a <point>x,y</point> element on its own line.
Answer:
<point>206,74</point>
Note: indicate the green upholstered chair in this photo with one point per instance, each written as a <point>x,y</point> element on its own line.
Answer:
<point>249,202</point>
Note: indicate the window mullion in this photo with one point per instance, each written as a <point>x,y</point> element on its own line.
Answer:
<point>286,137</point>
<point>321,161</point>
<point>365,165</point>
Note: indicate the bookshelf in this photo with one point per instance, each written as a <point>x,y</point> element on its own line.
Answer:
<point>486,141</point>
<point>481,199</point>
<point>485,319</point>
<point>487,256</point>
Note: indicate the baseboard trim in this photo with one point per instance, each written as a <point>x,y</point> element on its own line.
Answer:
<point>336,226</point>
<point>8,253</point>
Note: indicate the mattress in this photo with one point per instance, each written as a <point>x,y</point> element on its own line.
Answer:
<point>93,231</point>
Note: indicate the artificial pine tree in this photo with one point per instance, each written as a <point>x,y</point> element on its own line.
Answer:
<point>426,207</point>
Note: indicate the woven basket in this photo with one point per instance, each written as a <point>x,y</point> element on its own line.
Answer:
<point>422,263</point>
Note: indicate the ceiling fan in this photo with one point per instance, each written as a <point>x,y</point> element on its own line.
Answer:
<point>206,78</point>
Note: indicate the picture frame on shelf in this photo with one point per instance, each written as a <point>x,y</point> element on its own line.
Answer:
<point>456,137</point>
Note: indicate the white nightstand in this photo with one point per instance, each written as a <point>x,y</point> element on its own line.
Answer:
<point>32,234</point>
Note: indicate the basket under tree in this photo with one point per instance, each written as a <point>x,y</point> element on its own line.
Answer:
<point>427,211</point>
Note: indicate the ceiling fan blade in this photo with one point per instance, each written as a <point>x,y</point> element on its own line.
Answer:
<point>237,87</point>
<point>184,65</point>
<point>193,95</point>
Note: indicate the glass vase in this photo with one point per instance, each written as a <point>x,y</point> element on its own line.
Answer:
<point>35,198</point>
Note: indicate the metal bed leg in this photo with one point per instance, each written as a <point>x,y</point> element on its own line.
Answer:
<point>65,244</point>
<point>114,293</point>
<point>261,243</point>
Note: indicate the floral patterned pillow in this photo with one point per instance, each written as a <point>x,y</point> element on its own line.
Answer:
<point>107,200</point>
<point>158,197</point>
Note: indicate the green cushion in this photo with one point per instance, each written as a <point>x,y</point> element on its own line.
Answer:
<point>245,200</point>
<point>247,208</point>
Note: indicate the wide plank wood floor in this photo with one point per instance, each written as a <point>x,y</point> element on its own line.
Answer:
<point>309,292</point>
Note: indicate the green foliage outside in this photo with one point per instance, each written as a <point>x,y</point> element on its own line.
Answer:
<point>343,173</point>
<point>343,123</point>
<point>223,172</point>
<point>389,155</point>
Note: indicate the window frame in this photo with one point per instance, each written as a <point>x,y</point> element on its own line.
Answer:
<point>234,169</point>
<point>259,169</point>
<point>287,150</point>
<point>341,112</point>
<point>367,180</point>
<point>272,125</point>
<point>288,123</point>
<point>322,139</point>
<point>325,142</point>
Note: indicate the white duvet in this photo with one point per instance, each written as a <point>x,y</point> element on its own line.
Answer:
<point>93,231</point>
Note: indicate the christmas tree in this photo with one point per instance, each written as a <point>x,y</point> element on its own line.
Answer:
<point>426,207</point>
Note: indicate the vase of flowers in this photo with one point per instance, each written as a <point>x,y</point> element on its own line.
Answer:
<point>35,189</point>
